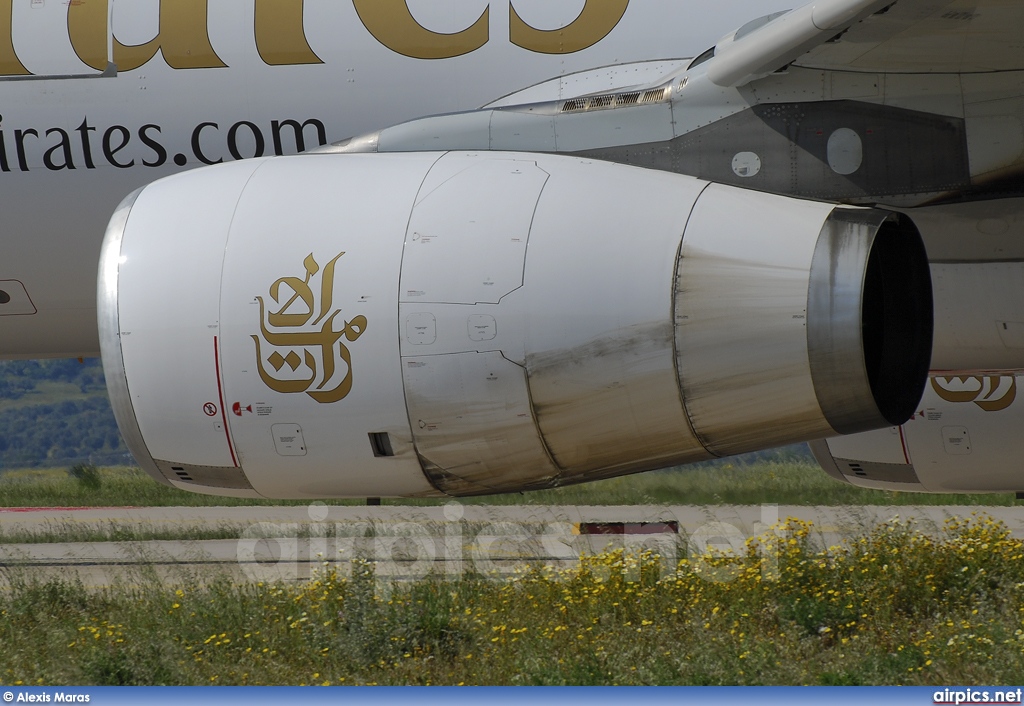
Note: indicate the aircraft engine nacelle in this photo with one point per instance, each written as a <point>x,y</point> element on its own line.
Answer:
<point>415,324</point>
<point>964,438</point>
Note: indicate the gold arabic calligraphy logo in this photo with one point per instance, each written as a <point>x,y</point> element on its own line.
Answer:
<point>324,353</point>
<point>992,393</point>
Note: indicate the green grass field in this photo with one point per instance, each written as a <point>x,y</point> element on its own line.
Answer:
<point>73,532</point>
<point>782,483</point>
<point>45,392</point>
<point>891,607</point>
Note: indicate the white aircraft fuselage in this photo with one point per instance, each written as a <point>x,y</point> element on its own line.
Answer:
<point>99,98</point>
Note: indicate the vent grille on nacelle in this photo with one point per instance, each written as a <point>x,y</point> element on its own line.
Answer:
<point>655,96</point>
<point>617,100</point>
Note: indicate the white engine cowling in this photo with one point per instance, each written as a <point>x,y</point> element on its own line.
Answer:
<point>460,323</point>
<point>964,438</point>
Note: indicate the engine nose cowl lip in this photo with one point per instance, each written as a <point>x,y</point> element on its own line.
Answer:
<point>110,344</point>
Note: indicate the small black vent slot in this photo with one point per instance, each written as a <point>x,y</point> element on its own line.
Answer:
<point>182,474</point>
<point>380,442</point>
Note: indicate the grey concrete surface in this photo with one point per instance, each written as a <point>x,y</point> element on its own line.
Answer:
<point>291,543</point>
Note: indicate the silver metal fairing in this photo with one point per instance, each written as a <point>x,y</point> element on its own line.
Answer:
<point>740,320</point>
<point>612,405</point>
<point>361,144</point>
<point>108,321</point>
<point>785,336</point>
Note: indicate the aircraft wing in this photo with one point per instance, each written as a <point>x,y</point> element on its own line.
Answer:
<point>908,36</point>
<point>930,36</point>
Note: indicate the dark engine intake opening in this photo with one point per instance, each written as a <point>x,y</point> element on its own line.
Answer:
<point>869,319</point>
<point>897,319</point>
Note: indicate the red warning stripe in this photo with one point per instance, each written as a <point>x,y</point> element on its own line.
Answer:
<point>903,442</point>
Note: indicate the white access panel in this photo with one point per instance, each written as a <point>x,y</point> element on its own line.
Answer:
<point>956,440</point>
<point>421,329</point>
<point>288,440</point>
<point>468,234</point>
<point>437,329</point>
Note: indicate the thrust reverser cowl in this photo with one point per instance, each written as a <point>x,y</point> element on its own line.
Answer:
<point>400,325</point>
